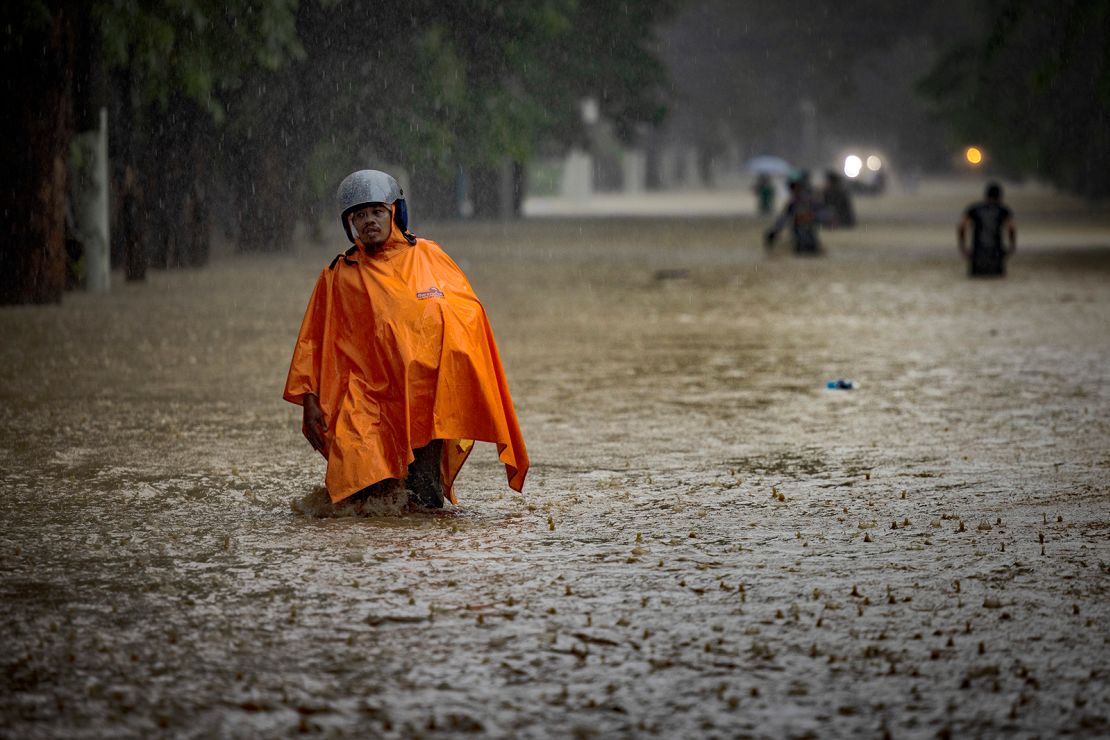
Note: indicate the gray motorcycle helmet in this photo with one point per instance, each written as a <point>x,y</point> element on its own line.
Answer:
<point>371,186</point>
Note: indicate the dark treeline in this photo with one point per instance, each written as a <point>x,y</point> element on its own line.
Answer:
<point>1026,80</point>
<point>242,116</point>
<point>1033,84</point>
<point>746,72</point>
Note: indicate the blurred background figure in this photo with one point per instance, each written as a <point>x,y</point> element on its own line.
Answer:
<point>800,213</point>
<point>838,210</point>
<point>990,221</point>
<point>764,191</point>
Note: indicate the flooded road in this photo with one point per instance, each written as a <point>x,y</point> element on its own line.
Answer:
<point>710,543</point>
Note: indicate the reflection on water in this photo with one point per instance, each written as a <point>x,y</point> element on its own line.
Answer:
<point>710,542</point>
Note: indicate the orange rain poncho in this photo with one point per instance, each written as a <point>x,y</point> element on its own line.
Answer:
<point>399,351</point>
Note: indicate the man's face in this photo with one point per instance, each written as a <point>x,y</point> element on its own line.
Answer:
<point>372,223</point>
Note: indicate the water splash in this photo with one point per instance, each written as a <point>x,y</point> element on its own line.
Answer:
<point>393,501</point>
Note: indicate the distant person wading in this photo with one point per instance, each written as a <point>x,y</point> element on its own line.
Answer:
<point>801,215</point>
<point>395,363</point>
<point>837,201</point>
<point>993,235</point>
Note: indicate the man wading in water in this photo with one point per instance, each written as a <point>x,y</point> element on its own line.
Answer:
<point>988,220</point>
<point>395,364</point>
<point>800,213</point>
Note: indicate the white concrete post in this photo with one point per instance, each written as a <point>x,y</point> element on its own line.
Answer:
<point>578,175</point>
<point>92,205</point>
<point>634,171</point>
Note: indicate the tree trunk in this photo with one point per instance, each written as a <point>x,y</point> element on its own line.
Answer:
<point>129,242</point>
<point>35,133</point>
<point>153,174</point>
<point>519,187</point>
<point>172,173</point>
<point>434,197</point>
<point>485,191</point>
<point>498,190</point>
<point>131,206</point>
<point>196,225</point>
<point>267,199</point>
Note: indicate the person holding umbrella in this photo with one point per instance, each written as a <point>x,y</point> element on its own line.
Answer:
<point>765,168</point>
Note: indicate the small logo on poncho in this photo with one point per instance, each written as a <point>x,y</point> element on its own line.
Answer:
<point>432,292</point>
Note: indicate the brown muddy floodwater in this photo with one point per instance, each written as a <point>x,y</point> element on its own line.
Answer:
<point>710,544</point>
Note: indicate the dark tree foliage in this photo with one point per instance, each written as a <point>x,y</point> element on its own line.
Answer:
<point>169,63</point>
<point>525,68</point>
<point>1034,88</point>
<point>250,112</point>
<point>435,88</point>
<point>175,70</point>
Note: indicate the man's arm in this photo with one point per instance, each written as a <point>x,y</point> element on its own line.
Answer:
<point>1011,232</point>
<point>314,426</point>
<point>770,234</point>
<point>961,234</point>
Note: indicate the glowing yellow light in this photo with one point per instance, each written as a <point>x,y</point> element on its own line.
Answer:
<point>973,155</point>
<point>874,163</point>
